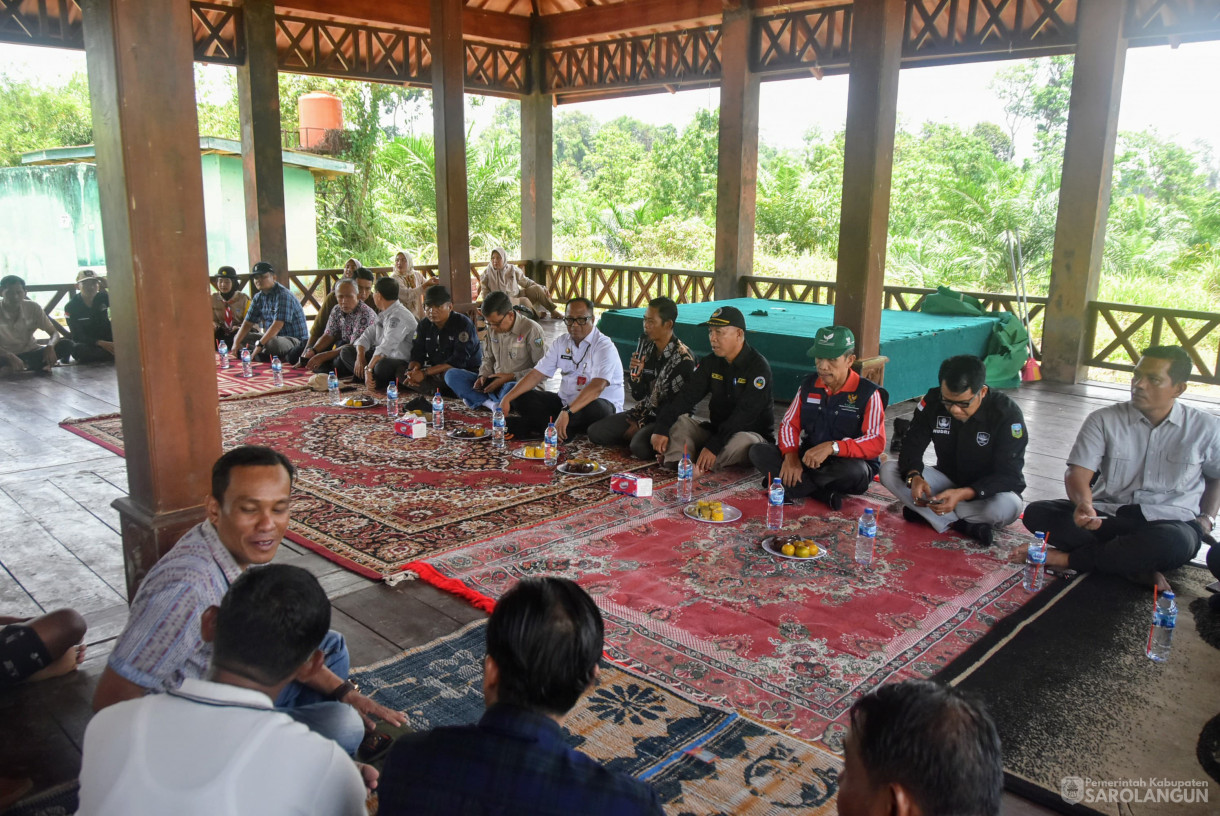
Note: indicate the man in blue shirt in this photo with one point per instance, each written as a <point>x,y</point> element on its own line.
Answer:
<point>277,310</point>
<point>544,641</point>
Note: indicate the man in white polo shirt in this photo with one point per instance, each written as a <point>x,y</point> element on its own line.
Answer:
<point>591,387</point>
<point>216,745</point>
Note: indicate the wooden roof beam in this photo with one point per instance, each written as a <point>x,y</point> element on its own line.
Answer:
<point>476,24</point>
<point>601,22</point>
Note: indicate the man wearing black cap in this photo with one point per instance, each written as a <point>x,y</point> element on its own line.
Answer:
<point>833,433</point>
<point>229,306</point>
<point>278,311</point>
<point>444,339</point>
<point>738,379</point>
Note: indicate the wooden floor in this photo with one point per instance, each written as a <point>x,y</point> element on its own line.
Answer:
<point>60,546</point>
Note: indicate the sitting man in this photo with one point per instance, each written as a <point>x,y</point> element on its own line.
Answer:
<point>514,345</point>
<point>277,310</point>
<point>444,340</point>
<point>544,641</point>
<point>980,438</point>
<point>215,744</point>
<point>19,319</point>
<point>660,367</point>
<point>919,749</point>
<point>591,387</point>
<point>40,648</point>
<point>1143,481</point>
<point>364,283</point>
<point>344,327</point>
<point>738,379</point>
<point>388,340</point>
<point>834,430</point>
<point>229,306</point>
<point>162,644</point>
<point>502,276</point>
<point>88,313</point>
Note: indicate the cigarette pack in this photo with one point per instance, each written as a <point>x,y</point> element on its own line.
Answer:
<point>631,485</point>
<point>411,426</point>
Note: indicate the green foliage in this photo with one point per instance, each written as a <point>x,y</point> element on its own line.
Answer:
<point>37,117</point>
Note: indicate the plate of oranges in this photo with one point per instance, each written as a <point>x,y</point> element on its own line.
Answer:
<point>794,547</point>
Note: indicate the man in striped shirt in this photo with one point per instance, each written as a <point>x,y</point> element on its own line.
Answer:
<point>834,431</point>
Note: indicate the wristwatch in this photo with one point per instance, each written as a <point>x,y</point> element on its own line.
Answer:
<point>834,448</point>
<point>911,477</point>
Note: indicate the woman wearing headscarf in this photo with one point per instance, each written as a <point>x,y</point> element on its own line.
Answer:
<point>411,283</point>
<point>229,305</point>
<point>502,276</point>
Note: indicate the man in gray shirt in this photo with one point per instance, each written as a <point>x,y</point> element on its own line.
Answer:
<point>1143,481</point>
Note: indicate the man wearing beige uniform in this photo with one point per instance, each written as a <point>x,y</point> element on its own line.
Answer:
<point>514,345</point>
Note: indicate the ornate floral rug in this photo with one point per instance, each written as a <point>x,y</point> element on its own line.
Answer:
<point>232,384</point>
<point>702,609</point>
<point>375,501</point>
<point>701,759</point>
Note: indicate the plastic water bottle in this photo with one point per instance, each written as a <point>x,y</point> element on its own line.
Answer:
<point>277,372</point>
<point>686,477</point>
<point>1164,619</point>
<point>775,505</point>
<point>438,411</point>
<point>391,400</point>
<point>332,387</point>
<point>498,428</point>
<point>550,444</point>
<point>1035,564</point>
<point>866,537</point>
<point>246,370</point>
<point>223,350</point>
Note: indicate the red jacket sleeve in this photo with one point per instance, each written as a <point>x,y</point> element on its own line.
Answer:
<point>871,443</point>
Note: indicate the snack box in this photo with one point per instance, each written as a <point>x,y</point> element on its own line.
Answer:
<point>631,485</point>
<point>411,426</point>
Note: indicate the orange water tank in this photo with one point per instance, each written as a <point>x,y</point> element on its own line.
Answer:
<point>318,113</point>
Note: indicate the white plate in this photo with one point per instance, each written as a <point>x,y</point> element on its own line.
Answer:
<point>768,544</point>
<point>564,469</point>
<point>376,402</point>
<point>519,453</point>
<point>486,437</point>
<point>731,513</point>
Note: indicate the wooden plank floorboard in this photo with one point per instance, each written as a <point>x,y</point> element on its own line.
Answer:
<point>364,645</point>
<point>397,615</point>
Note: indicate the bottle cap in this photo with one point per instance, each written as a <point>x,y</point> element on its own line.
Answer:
<point>868,511</point>
<point>1168,594</point>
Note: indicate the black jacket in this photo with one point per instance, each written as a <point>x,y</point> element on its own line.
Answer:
<point>456,343</point>
<point>986,452</point>
<point>88,324</point>
<point>740,398</point>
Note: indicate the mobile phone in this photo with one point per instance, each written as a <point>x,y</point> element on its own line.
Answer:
<point>936,501</point>
<point>1214,586</point>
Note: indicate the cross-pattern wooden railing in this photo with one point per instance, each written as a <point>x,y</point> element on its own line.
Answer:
<point>612,286</point>
<point>1118,332</point>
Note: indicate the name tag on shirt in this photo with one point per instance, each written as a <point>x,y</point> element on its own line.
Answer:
<point>717,377</point>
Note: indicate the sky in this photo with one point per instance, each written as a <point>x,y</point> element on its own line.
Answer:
<point>1172,91</point>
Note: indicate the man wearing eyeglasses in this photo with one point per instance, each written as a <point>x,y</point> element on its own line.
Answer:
<point>833,432</point>
<point>979,436</point>
<point>444,340</point>
<point>591,387</point>
<point>514,345</point>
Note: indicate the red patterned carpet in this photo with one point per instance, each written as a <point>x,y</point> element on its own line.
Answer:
<point>374,501</point>
<point>232,384</point>
<point>703,609</point>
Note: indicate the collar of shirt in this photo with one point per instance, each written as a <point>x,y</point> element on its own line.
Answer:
<point>522,724</point>
<point>220,553</point>
<point>208,692</point>
<point>395,308</point>
<point>593,335</point>
<point>850,384</point>
<point>1177,415</point>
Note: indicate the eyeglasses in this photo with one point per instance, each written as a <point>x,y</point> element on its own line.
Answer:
<point>579,321</point>
<point>495,322</point>
<point>963,404</point>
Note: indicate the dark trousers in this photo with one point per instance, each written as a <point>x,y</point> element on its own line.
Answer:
<point>288,349</point>
<point>387,368</point>
<point>1126,543</point>
<point>428,386</point>
<point>534,409</point>
<point>35,359</point>
<point>612,432</point>
<point>91,353</point>
<point>838,474</point>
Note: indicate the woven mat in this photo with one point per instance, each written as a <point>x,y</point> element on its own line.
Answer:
<point>231,383</point>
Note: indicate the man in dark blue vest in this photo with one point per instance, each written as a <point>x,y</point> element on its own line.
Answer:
<point>834,431</point>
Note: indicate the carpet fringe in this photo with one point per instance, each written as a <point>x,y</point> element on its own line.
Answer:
<point>431,575</point>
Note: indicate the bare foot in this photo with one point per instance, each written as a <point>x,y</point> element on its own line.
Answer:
<point>68,662</point>
<point>1151,578</point>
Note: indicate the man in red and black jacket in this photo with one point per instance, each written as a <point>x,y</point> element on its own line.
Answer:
<point>834,431</point>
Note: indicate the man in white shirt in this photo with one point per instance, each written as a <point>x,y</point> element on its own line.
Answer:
<point>591,388</point>
<point>216,745</point>
<point>387,341</point>
<point>19,319</point>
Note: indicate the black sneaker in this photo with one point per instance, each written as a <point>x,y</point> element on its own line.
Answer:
<point>983,534</point>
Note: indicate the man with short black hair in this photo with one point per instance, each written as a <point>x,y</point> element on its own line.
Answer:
<point>162,644</point>
<point>514,345</point>
<point>277,310</point>
<point>916,748</point>
<point>544,642</point>
<point>591,387</point>
<point>980,437</point>
<point>88,315</point>
<point>1143,481</point>
<point>444,340</point>
<point>343,328</point>
<point>19,319</point>
<point>834,430</point>
<point>388,341</point>
<point>216,744</point>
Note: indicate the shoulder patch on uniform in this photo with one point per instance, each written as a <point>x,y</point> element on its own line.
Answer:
<point>1017,430</point>
<point>923,403</point>
<point>463,337</point>
<point>392,323</point>
<point>538,342</point>
<point>759,382</point>
<point>415,335</point>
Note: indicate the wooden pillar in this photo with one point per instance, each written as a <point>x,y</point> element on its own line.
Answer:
<point>452,207</point>
<point>868,161</point>
<point>1084,191</point>
<point>258,99</point>
<point>737,156</point>
<point>140,57</point>
<point>537,169</point>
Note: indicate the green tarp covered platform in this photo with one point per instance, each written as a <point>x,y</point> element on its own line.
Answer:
<point>915,342</point>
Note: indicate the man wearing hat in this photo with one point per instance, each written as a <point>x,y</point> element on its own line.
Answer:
<point>277,310</point>
<point>229,305</point>
<point>833,433</point>
<point>88,314</point>
<point>738,379</point>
